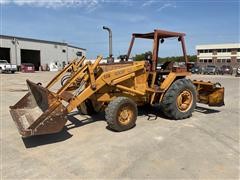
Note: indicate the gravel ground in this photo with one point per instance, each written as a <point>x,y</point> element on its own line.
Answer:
<point>205,146</point>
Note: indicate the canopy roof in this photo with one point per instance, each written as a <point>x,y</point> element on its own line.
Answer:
<point>160,33</point>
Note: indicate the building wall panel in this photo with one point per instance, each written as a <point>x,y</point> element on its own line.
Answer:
<point>49,52</point>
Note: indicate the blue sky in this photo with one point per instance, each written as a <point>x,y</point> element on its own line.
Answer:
<point>80,22</point>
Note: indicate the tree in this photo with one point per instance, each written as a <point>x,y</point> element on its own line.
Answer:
<point>140,57</point>
<point>192,58</point>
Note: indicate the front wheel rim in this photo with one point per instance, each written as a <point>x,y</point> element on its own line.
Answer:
<point>125,115</point>
<point>184,101</point>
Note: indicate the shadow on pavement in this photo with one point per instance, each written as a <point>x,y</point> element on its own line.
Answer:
<point>35,141</point>
<point>206,110</point>
<point>152,114</point>
<point>75,122</point>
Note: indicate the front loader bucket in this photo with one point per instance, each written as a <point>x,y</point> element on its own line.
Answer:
<point>38,112</point>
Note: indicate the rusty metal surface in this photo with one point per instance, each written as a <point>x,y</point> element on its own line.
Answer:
<point>38,112</point>
<point>160,33</point>
<point>209,93</point>
<point>156,35</point>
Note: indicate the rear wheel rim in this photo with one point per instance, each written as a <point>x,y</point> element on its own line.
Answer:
<point>184,101</point>
<point>125,115</point>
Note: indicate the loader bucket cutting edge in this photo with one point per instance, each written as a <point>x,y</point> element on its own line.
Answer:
<point>38,112</point>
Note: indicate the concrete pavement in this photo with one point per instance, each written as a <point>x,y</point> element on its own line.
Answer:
<point>203,146</point>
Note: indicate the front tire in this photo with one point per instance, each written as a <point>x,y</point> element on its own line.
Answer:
<point>86,108</point>
<point>180,100</point>
<point>121,114</point>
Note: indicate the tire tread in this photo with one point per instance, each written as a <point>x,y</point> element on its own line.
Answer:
<point>110,112</point>
<point>169,99</point>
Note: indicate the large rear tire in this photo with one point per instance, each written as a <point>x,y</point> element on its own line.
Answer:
<point>121,114</point>
<point>180,100</point>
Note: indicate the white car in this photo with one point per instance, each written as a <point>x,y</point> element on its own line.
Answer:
<point>6,67</point>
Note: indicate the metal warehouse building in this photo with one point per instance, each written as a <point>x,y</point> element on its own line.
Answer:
<point>219,54</point>
<point>18,50</point>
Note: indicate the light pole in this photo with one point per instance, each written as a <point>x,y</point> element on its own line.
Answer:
<point>110,40</point>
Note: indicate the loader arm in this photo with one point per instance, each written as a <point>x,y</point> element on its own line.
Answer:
<point>107,78</point>
<point>82,75</point>
<point>74,65</point>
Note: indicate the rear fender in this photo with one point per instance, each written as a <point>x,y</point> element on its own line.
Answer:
<point>171,77</point>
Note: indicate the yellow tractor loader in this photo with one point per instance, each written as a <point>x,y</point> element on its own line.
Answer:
<point>116,88</point>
